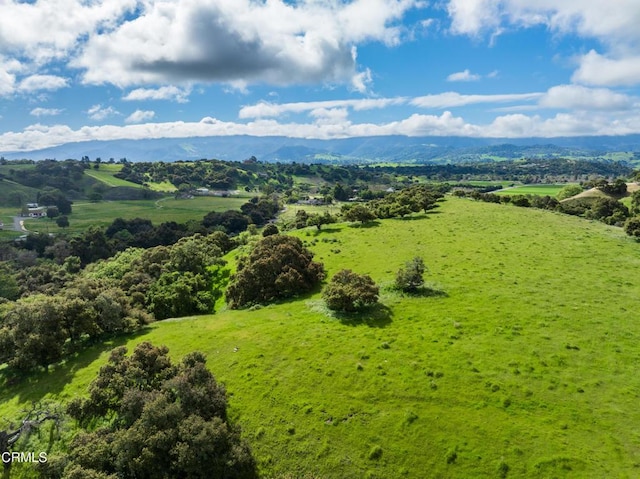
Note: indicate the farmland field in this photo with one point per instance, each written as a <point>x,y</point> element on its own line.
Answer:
<point>521,363</point>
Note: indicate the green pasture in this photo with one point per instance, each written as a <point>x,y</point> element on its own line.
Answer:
<point>105,176</point>
<point>86,214</point>
<point>520,361</point>
<point>542,190</point>
<point>290,210</point>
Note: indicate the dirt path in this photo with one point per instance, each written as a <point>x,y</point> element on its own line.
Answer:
<point>18,224</point>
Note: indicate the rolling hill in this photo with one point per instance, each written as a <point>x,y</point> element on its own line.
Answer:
<point>522,363</point>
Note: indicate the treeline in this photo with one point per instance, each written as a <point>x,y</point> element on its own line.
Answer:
<point>68,309</point>
<point>99,243</point>
<point>608,210</point>
<point>392,205</point>
<point>524,170</point>
<point>58,295</point>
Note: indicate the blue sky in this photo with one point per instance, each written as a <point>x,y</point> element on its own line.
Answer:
<point>77,70</point>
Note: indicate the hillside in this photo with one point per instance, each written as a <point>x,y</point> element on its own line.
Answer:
<point>524,365</point>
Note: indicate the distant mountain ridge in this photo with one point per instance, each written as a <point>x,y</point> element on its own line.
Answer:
<point>404,149</point>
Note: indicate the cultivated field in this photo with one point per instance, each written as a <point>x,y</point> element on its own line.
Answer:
<point>522,362</point>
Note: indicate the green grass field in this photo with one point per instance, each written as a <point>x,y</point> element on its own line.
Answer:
<point>542,190</point>
<point>87,214</point>
<point>523,366</point>
<point>105,175</point>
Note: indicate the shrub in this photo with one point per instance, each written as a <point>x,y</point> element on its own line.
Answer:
<point>632,227</point>
<point>410,278</point>
<point>269,230</point>
<point>349,291</point>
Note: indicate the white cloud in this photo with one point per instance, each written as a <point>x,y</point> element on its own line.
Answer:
<point>241,42</point>
<point>465,75</point>
<point>596,69</point>
<point>45,30</point>
<point>361,81</point>
<point>577,97</point>
<point>473,16</point>
<point>454,99</point>
<point>140,116</point>
<point>99,113</point>
<point>332,116</point>
<point>42,82</point>
<point>333,123</point>
<point>173,93</point>
<point>610,23</point>
<point>45,111</point>
<point>615,25</point>
<point>266,109</point>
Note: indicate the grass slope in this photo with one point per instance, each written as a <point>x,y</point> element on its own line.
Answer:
<point>106,172</point>
<point>166,209</point>
<point>542,190</point>
<point>526,367</point>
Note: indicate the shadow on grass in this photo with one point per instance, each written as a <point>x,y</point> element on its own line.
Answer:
<point>427,292</point>
<point>32,387</point>
<point>318,232</point>
<point>368,224</point>
<point>376,316</point>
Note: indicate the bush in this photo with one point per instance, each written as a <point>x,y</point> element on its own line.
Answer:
<point>410,278</point>
<point>632,227</point>
<point>269,230</point>
<point>349,291</point>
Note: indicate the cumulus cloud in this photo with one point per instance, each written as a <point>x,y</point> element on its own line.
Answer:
<point>99,113</point>
<point>34,83</point>
<point>333,123</point>
<point>50,29</point>
<point>140,116</point>
<point>45,111</point>
<point>577,97</point>
<point>587,18</point>
<point>596,69</point>
<point>240,42</point>
<point>615,26</point>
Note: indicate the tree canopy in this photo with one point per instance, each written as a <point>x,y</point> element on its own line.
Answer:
<point>155,420</point>
<point>349,291</point>
<point>279,266</point>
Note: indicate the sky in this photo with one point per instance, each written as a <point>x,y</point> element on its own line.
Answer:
<point>78,70</point>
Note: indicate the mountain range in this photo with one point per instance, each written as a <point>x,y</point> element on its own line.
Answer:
<point>400,149</point>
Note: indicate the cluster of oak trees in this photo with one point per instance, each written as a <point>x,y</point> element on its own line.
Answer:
<point>609,210</point>
<point>112,297</point>
<point>149,418</point>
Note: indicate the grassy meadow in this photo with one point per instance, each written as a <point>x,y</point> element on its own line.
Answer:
<point>520,363</point>
<point>542,190</point>
<point>86,214</point>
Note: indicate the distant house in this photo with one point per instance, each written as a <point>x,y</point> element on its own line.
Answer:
<point>33,210</point>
